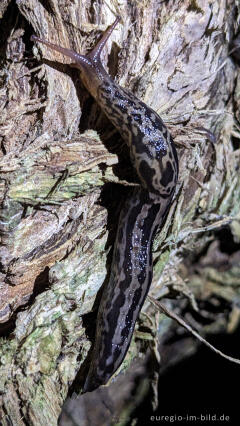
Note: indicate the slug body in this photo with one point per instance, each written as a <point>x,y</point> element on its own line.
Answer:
<point>154,157</point>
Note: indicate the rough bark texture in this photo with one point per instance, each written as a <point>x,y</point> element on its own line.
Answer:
<point>65,171</point>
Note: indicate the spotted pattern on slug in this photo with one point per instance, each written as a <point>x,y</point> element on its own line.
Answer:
<point>151,147</point>
<point>154,158</point>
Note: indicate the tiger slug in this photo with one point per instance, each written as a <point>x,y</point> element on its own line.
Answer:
<point>154,158</point>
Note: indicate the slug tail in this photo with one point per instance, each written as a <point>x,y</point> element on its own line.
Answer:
<point>91,383</point>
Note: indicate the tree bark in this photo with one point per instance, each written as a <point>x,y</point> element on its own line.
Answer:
<point>65,172</point>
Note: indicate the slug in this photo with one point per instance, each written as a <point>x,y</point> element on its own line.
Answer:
<point>155,160</point>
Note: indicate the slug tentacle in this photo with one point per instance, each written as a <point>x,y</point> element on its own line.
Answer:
<point>96,51</point>
<point>154,158</point>
<point>67,52</point>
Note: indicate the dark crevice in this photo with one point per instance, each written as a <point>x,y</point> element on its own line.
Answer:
<point>235,143</point>
<point>113,60</point>
<point>47,6</point>
<point>6,25</point>
<point>40,285</point>
<point>227,244</point>
<point>213,308</point>
<point>200,385</point>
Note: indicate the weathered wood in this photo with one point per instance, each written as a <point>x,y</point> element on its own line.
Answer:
<point>55,228</point>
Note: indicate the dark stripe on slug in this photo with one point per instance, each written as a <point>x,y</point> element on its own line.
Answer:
<point>165,131</point>
<point>174,151</point>
<point>167,175</point>
<point>146,174</point>
<point>132,309</point>
<point>107,335</point>
<point>117,255</point>
<point>131,316</point>
<point>147,236</point>
<point>113,314</point>
<point>120,234</point>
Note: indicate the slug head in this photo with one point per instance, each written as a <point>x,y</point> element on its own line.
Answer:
<point>90,66</point>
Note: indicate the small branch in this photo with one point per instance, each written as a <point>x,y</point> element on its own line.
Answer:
<point>180,321</point>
